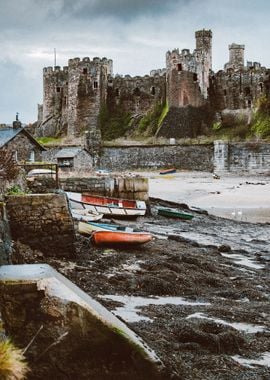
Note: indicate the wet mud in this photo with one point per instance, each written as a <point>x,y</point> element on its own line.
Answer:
<point>218,327</point>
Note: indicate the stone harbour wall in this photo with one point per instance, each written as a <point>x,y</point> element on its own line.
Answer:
<point>245,157</point>
<point>43,222</point>
<point>183,157</point>
<point>120,187</point>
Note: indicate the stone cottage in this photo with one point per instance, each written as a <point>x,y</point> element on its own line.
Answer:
<point>70,158</point>
<point>21,143</point>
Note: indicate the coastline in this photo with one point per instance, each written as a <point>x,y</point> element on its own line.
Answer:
<point>242,198</point>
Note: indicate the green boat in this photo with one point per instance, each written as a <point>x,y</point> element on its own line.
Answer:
<point>171,213</point>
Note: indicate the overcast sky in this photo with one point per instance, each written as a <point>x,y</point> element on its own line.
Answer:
<point>134,33</point>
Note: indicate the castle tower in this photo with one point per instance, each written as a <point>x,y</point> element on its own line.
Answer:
<point>203,55</point>
<point>236,57</point>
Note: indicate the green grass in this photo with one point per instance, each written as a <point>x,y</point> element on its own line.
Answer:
<point>49,140</point>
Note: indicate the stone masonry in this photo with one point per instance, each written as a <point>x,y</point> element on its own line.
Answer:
<point>42,221</point>
<point>73,96</point>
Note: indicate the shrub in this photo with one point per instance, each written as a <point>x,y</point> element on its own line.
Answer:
<point>12,362</point>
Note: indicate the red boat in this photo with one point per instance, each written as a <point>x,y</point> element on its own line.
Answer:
<point>107,206</point>
<point>120,238</point>
<point>168,171</point>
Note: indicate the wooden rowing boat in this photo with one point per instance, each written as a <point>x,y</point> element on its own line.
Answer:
<point>167,171</point>
<point>89,227</point>
<point>85,215</point>
<point>172,213</point>
<point>120,238</point>
<point>107,206</point>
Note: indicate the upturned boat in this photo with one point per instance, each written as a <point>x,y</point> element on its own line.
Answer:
<point>108,206</point>
<point>172,213</point>
<point>120,238</point>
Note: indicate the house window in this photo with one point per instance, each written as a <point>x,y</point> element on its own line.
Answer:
<point>153,90</point>
<point>32,156</point>
<point>95,84</point>
<point>58,89</point>
<point>84,70</point>
<point>179,67</point>
<point>117,92</point>
<point>225,92</point>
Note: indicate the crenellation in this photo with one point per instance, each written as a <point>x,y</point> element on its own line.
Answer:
<point>74,95</point>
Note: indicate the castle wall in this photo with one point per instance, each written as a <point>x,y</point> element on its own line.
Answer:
<point>183,89</point>
<point>136,95</point>
<point>238,89</point>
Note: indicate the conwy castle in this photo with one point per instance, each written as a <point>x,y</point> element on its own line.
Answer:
<point>196,96</point>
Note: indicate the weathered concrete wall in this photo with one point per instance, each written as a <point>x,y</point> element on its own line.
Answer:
<point>126,187</point>
<point>42,221</point>
<point>184,157</point>
<point>79,334</point>
<point>251,158</point>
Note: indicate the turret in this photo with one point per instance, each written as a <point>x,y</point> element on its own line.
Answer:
<point>236,59</point>
<point>204,44</point>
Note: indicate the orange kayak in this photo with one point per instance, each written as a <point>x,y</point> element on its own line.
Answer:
<point>120,237</point>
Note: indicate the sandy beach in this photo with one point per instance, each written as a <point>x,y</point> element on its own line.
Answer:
<point>245,198</point>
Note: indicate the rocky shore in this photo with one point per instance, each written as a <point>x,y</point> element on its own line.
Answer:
<point>198,294</point>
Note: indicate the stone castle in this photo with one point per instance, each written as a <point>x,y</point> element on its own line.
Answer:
<point>73,96</point>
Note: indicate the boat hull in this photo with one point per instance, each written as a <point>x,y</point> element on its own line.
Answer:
<point>167,171</point>
<point>175,214</point>
<point>88,228</point>
<point>84,215</point>
<point>120,238</point>
<point>109,210</point>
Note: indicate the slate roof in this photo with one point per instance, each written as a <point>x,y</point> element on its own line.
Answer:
<point>68,152</point>
<point>7,134</point>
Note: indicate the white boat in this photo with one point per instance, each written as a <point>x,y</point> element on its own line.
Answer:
<point>107,206</point>
<point>85,215</point>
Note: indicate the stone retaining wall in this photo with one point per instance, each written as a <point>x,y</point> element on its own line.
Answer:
<point>246,157</point>
<point>183,157</point>
<point>43,222</point>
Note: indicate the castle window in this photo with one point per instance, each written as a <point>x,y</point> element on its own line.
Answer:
<point>249,103</point>
<point>117,92</point>
<point>95,84</point>
<point>179,67</point>
<point>195,77</point>
<point>224,92</point>
<point>137,91</point>
<point>247,91</point>
<point>153,90</point>
<point>261,87</point>
<point>84,70</point>
<point>58,89</point>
